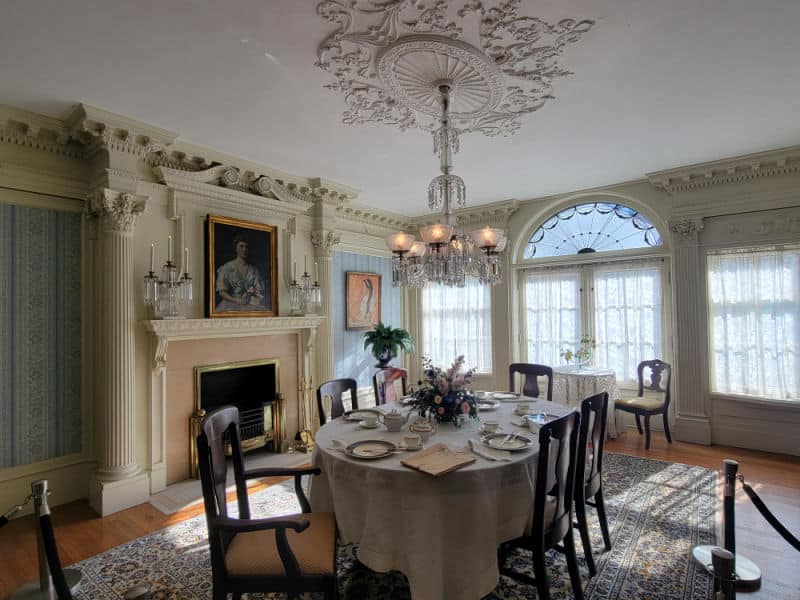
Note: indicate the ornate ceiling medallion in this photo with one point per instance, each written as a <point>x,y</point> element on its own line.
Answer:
<point>389,58</point>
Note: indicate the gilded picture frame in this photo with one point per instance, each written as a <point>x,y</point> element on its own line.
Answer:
<point>242,268</point>
<point>363,301</point>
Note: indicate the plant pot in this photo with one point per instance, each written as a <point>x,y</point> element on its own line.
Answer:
<point>385,358</point>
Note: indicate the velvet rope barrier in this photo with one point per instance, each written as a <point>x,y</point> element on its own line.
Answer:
<point>767,514</point>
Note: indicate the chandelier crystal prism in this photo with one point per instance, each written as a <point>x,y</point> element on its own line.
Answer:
<point>445,255</point>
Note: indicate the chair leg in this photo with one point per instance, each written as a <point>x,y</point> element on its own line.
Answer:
<point>638,424</point>
<point>572,566</point>
<point>540,573</point>
<point>647,432</point>
<point>600,504</point>
<point>666,427</point>
<point>583,528</point>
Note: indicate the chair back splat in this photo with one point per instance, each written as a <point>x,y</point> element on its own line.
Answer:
<point>531,373</point>
<point>334,389</point>
<point>383,382</point>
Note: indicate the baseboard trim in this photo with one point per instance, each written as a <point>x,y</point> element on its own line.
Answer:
<point>693,429</point>
<point>108,497</point>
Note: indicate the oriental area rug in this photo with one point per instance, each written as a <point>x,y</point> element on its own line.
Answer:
<point>657,512</point>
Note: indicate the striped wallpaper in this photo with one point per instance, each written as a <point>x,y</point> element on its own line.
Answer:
<point>40,334</point>
<point>350,358</point>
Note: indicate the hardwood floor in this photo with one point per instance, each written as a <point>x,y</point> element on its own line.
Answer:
<point>81,533</point>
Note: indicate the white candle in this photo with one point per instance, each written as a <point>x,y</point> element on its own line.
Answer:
<point>316,271</point>
<point>294,271</point>
<point>152,258</point>
<point>185,260</point>
<point>305,265</point>
<point>169,248</point>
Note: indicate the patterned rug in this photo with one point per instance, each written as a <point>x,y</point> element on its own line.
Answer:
<point>657,512</point>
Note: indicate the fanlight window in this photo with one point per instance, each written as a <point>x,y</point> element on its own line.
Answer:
<point>592,227</point>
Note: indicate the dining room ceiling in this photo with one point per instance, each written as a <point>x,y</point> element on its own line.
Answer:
<point>566,95</point>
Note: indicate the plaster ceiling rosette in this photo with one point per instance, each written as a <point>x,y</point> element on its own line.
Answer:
<point>389,57</point>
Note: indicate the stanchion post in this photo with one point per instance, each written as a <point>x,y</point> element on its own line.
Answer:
<point>730,468</point>
<point>724,577</point>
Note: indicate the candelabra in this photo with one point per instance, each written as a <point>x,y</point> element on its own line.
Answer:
<point>305,298</point>
<point>166,294</point>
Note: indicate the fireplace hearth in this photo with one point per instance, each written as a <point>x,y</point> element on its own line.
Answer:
<point>254,388</point>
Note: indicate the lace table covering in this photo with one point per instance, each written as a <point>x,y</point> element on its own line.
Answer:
<point>572,385</point>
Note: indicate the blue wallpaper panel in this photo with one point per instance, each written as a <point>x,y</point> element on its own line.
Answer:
<point>350,359</point>
<point>40,334</point>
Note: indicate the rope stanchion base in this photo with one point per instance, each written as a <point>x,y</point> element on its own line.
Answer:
<point>748,575</point>
<point>33,591</point>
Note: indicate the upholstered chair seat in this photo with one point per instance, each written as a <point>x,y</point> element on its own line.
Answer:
<point>250,552</point>
<point>652,398</point>
<point>647,401</point>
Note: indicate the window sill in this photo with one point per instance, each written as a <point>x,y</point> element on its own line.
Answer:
<point>757,400</point>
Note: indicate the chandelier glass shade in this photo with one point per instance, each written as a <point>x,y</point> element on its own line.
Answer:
<point>445,255</point>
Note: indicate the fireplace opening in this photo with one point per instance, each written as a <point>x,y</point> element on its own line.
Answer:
<point>254,388</point>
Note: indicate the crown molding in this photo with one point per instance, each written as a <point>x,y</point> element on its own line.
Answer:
<point>740,169</point>
<point>38,132</point>
<point>371,221</point>
<point>497,214</point>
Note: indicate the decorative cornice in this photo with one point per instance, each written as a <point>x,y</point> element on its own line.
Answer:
<point>686,230</point>
<point>201,329</point>
<point>729,171</point>
<point>118,210</point>
<point>496,214</point>
<point>38,132</point>
<point>364,217</point>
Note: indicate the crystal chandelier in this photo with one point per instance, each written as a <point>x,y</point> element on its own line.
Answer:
<point>445,255</point>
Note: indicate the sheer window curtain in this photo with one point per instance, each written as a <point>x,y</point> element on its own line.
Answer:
<point>754,322</point>
<point>628,317</point>
<point>552,314</point>
<point>458,321</point>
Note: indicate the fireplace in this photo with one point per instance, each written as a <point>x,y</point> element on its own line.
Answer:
<point>251,386</point>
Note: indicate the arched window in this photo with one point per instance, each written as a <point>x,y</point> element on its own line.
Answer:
<point>592,227</point>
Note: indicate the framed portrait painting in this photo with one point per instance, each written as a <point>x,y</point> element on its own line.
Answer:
<point>242,264</point>
<point>363,303</point>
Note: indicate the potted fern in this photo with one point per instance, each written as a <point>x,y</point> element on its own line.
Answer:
<point>386,342</point>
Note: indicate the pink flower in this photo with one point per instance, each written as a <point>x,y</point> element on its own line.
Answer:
<point>465,407</point>
<point>438,399</point>
<point>441,410</point>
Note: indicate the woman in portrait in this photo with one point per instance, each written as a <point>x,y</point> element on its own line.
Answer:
<point>239,283</point>
<point>367,306</point>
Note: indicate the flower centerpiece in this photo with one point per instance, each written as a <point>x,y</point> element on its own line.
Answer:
<point>583,355</point>
<point>443,394</point>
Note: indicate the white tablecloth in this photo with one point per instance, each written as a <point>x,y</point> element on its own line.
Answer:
<point>572,385</point>
<point>442,533</point>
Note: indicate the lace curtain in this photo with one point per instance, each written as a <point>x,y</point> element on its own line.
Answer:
<point>553,314</point>
<point>754,322</point>
<point>628,317</point>
<point>458,321</point>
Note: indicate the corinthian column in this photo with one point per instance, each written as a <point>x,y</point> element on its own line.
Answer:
<point>119,481</point>
<point>690,374</point>
<point>324,242</point>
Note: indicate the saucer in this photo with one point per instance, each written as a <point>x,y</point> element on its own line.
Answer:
<point>522,413</point>
<point>483,431</point>
<point>410,448</point>
<point>366,426</point>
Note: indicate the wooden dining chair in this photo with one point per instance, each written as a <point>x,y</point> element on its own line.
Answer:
<point>552,507</point>
<point>589,472</point>
<point>530,373</point>
<point>652,399</point>
<point>384,383</point>
<point>334,390</point>
<point>292,554</point>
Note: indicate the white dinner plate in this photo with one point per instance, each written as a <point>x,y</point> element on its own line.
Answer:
<point>502,441</point>
<point>488,405</point>
<point>505,396</point>
<point>370,449</point>
<point>358,415</point>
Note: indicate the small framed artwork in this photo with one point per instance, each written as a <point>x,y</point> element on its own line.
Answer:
<point>242,268</point>
<point>363,302</point>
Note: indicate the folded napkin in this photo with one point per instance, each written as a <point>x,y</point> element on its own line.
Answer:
<point>488,453</point>
<point>438,460</point>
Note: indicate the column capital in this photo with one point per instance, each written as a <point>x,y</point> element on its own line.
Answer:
<point>324,242</point>
<point>118,210</point>
<point>686,230</point>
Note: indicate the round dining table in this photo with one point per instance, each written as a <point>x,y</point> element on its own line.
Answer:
<point>573,384</point>
<point>441,532</point>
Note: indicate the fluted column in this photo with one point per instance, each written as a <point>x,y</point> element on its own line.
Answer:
<point>116,451</point>
<point>690,373</point>
<point>324,242</point>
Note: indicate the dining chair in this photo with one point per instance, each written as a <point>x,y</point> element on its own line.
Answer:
<point>652,399</point>
<point>384,383</point>
<point>292,554</point>
<point>589,472</point>
<point>334,390</point>
<point>530,373</point>
<point>552,507</point>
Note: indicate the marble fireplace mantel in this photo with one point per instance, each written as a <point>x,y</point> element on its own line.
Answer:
<point>166,330</point>
<point>162,332</point>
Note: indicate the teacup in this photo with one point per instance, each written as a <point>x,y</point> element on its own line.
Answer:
<point>491,426</point>
<point>522,408</point>
<point>412,441</point>
<point>370,420</point>
<point>533,424</point>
